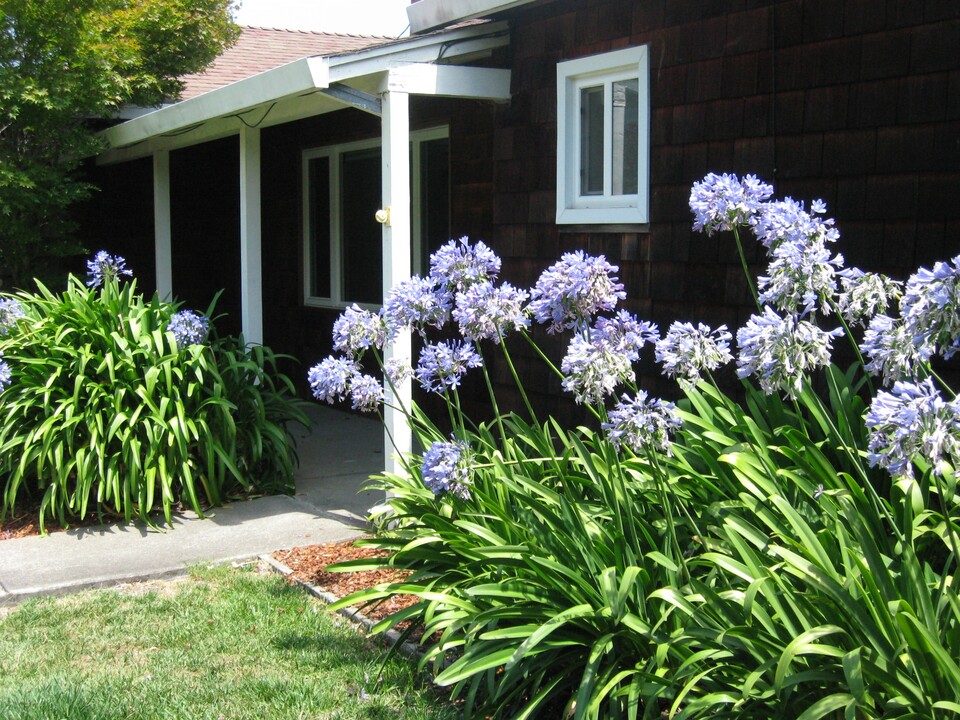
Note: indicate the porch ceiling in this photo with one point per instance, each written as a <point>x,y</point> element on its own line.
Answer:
<point>317,85</point>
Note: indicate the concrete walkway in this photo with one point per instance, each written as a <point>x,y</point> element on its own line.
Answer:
<point>336,459</point>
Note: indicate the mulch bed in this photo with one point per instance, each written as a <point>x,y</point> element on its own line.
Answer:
<point>309,565</point>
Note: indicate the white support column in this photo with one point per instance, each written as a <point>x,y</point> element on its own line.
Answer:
<point>162,242</point>
<point>251,285</point>
<point>396,260</point>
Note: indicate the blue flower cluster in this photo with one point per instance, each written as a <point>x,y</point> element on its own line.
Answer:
<point>642,424</point>
<point>11,311</point>
<point>357,330</point>
<point>335,378</point>
<point>458,265</point>
<point>443,364</point>
<point>912,421</point>
<point>5,374</point>
<point>105,267</point>
<point>570,292</point>
<point>724,202</point>
<point>687,351</point>
<point>486,312</point>
<point>446,468</point>
<point>189,328</point>
<point>780,351</point>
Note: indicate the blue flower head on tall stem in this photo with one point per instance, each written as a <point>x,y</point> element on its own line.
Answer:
<point>105,267</point>
<point>687,351</point>
<point>11,312</point>
<point>366,392</point>
<point>911,421</point>
<point>485,312</point>
<point>569,293</point>
<point>189,328</point>
<point>787,221</point>
<point>443,364</point>
<point>357,329</point>
<point>446,468</point>
<point>418,303</point>
<point>892,351</point>
<point>930,307</point>
<point>781,350</point>
<point>593,368</point>
<point>865,295</point>
<point>458,264</point>
<point>724,202</point>
<point>642,424</point>
<point>801,276</point>
<point>330,378</point>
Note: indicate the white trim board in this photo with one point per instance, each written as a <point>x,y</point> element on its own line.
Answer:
<point>431,14</point>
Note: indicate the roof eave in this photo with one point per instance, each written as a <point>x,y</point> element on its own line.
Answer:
<point>298,78</point>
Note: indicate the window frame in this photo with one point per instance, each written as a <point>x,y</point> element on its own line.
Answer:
<point>334,154</point>
<point>573,76</point>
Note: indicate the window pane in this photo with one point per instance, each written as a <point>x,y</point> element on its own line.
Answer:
<point>591,141</point>
<point>318,172</point>
<point>626,116</point>
<point>362,250</point>
<point>434,196</point>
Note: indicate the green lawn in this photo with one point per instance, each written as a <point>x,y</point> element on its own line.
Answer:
<point>223,644</point>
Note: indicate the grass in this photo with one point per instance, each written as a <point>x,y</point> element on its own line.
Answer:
<point>223,644</point>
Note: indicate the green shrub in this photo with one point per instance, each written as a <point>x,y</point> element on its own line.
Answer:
<point>105,413</point>
<point>791,554</point>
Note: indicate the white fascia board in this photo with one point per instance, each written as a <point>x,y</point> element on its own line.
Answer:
<point>292,79</point>
<point>431,14</point>
<point>450,81</point>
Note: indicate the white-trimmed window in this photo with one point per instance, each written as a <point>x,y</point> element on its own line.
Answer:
<point>603,138</point>
<point>342,191</point>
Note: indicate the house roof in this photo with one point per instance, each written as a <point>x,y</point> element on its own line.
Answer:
<point>260,49</point>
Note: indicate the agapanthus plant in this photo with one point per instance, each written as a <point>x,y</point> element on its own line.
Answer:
<point>5,374</point>
<point>416,303</point>
<point>931,306</point>
<point>642,424</point>
<point>486,312</point>
<point>571,292</point>
<point>357,330</point>
<point>105,267</point>
<point>687,352</point>
<point>864,295</point>
<point>459,264</point>
<point>446,468</point>
<point>724,202</point>
<point>11,312</point>
<point>442,365</point>
<point>893,354</point>
<point>189,328</point>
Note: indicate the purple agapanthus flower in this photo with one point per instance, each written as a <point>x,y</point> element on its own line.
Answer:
<point>723,202</point>
<point>780,350</point>
<point>892,351</point>
<point>5,374</point>
<point>625,333</point>
<point>930,307</point>
<point>864,295</point>
<point>418,303</point>
<point>366,392</point>
<point>485,312</point>
<point>642,424</point>
<point>398,370</point>
<point>801,275</point>
<point>570,292</point>
<point>783,221</point>
<point>357,330</point>
<point>330,378</point>
<point>458,264</point>
<point>443,364</point>
<point>687,351</point>
<point>446,468</point>
<point>11,311</point>
<point>104,267</point>
<point>189,328</point>
<point>593,368</point>
<point>913,421</point>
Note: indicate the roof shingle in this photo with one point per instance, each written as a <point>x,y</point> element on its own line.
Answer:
<point>260,49</point>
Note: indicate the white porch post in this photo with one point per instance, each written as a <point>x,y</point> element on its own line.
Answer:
<point>251,286</point>
<point>396,260</point>
<point>162,243</point>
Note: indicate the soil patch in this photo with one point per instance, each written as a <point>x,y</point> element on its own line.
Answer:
<point>309,565</point>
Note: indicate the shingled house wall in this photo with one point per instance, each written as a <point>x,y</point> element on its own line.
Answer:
<point>853,101</point>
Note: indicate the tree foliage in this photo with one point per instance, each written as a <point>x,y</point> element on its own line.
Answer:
<point>65,67</point>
